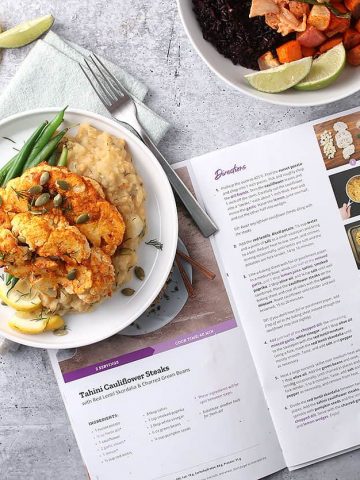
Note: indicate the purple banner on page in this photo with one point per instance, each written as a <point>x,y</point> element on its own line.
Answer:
<point>149,351</point>
<point>194,337</point>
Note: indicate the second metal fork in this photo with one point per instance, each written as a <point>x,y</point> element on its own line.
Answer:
<point>122,107</point>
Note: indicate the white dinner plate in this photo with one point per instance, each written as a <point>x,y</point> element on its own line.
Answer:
<point>119,311</point>
<point>347,84</point>
<point>169,304</point>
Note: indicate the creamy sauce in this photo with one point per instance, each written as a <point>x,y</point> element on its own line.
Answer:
<point>104,158</point>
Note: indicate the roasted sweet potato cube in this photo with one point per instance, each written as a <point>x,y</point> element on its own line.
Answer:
<point>351,38</point>
<point>330,44</point>
<point>354,7</point>
<point>353,56</point>
<point>337,25</point>
<point>289,51</point>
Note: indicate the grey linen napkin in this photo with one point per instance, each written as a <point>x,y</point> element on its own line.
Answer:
<point>51,77</point>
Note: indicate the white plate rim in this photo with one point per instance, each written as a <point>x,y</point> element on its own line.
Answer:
<point>269,98</point>
<point>189,270</point>
<point>172,206</point>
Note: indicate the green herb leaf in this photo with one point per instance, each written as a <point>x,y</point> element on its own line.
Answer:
<point>9,139</point>
<point>155,243</point>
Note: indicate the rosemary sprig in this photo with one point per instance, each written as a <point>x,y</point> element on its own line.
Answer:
<point>22,295</point>
<point>42,316</point>
<point>13,282</point>
<point>155,243</point>
<point>9,139</point>
<point>21,193</point>
<point>332,9</point>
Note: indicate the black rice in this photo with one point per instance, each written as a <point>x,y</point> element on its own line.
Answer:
<point>226,24</point>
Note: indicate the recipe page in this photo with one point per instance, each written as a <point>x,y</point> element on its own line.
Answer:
<point>176,394</point>
<point>288,210</point>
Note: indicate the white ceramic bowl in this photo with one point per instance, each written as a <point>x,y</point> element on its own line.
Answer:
<point>347,84</point>
<point>117,312</point>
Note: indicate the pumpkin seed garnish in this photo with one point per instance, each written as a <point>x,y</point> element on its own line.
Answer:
<point>60,332</point>
<point>62,184</point>
<point>21,239</point>
<point>139,273</point>
<point>125,251</point>
<point>83,218</point>
<point>42,200</point>
<point>44,178</point>
<point>128,292</point>
<point>39,212</point>
<point>35,190</point>
<point>72,274</point>
<point>58,199</point>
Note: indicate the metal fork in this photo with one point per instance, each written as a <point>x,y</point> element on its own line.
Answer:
<point>122,107</point>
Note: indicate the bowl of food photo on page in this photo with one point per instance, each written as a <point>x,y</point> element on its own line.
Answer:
<point>293,53</point>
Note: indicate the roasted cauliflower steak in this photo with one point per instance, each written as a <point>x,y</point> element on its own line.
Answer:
<point>58,231</point>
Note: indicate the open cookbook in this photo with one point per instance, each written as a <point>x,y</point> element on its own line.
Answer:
<point>260,369</point>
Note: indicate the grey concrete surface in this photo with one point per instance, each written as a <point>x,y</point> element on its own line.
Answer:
<point>145,37</point>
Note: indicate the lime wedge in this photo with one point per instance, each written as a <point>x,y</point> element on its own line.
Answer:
<point>26,32</point>
<point>278,79</point>
<point>325,69</point>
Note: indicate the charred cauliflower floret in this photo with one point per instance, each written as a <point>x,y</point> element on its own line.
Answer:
<point>11,251</point>
<point>58,231</point>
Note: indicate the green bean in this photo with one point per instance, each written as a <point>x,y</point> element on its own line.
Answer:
<point>17,166</point>
<point>45,137</point>
<point>63,158</point>
<point>6,168</point>
<point>47,150</point>
<point>53,159</point>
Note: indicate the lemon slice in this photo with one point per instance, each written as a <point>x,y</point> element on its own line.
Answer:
<point>325,69</point>
<point>22,297</point>
<point>31,323</point>
<point>26,32</point>
<point>30,326</point>
<point>55,322</point>
<point>279,79</point>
